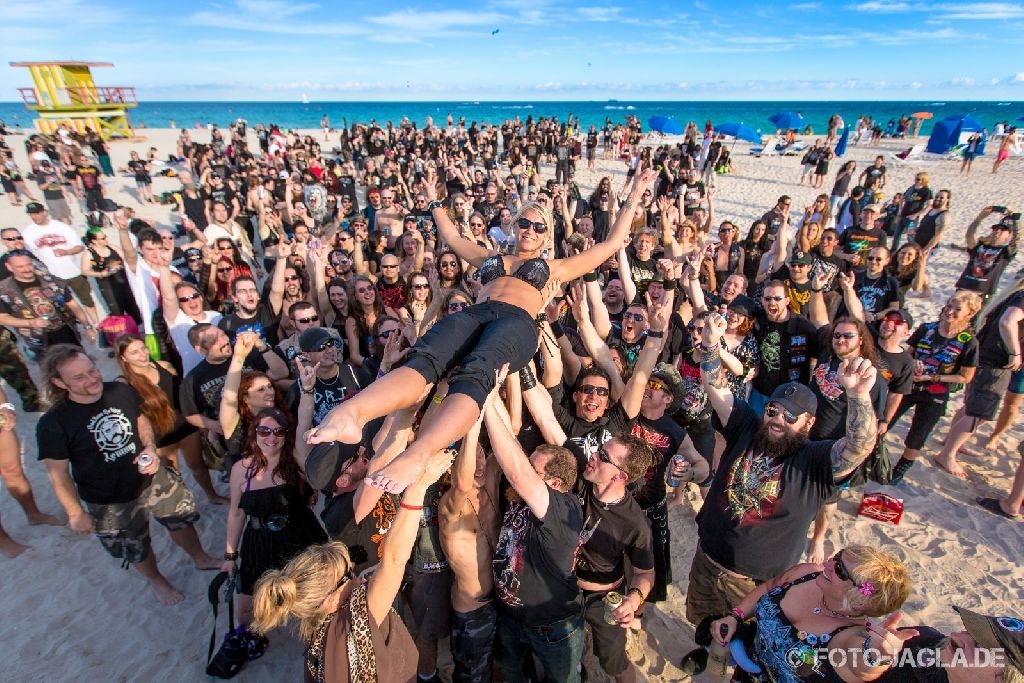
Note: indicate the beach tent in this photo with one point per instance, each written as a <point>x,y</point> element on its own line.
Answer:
<point>948,133</point>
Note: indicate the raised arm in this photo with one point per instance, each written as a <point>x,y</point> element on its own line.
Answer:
<point>128,251</point>
<point>229,413</point>
<point>571,268</point>
<point>971,236</point>
<point>625,273</point>
<point>307,380</point>
<point>276,297</point>
<point>595,346</point>
<point>465,249</point>
<point>168,296</point>
<point>464,470</point>
<point>598,310</point>
<point>659,315</point>
<point>858,376</point>
<point>719,394</point>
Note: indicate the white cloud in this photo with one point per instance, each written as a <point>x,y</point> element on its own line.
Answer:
<point>434,23</point>
<point>982,10</point>
<point>599,13</point>
<point>882,7</point>
<point>1018,77</point>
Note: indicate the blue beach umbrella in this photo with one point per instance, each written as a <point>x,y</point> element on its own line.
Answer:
<point>841,145</point>
<point>665,125</point>
<point>739,131</point>
<point>787,119</point>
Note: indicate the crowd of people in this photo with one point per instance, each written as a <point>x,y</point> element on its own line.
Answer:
<point>426,363</point>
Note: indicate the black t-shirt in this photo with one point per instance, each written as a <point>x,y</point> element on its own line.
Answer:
<point>830,418</point>
<point>692,194</point>
<point>985,265</point>
<point>363,539</point>
<point>914,199</point>
<point>897,369</point>
<point>992,352</point>
<point>860,240</point>
<point>609,535</point>
<point>202,387</point>
<point>799,293</point>
<point>876,293</point>
<point>264,322</point>
<point>831,264</point>
<point>534,562</point>
<point>773,220</point>
<point>755,518</point>
<point>138,167</point>
<point>664,436</point>
<point>327,394</point>
<point>100,440</point>
<point>786,349</point>
<point>221,194</point>
<point>942,355</point>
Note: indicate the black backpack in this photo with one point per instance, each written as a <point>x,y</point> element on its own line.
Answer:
<point>234,653</point>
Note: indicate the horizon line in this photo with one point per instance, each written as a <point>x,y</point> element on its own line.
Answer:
<point>930,100</point>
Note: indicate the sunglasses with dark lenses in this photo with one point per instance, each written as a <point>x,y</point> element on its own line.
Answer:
<point>447,264</point>
<point>224,270</point>
<point>457,306</point>
<point>538,227</point>
<point>844,335</point>
<point>875,258</point>
<point>604,457</point>
<point>328,344</point>
<point>387,333</point>
<point>268,431</point>
<point>311,319</point>
<point>292,278</point>
<point>421,286</point>
<point>186,299</point>
<point>772,298</point>
<point>590,390</point>
<point>841,569</point>
<point>636,317</point>
<point>773,410</point>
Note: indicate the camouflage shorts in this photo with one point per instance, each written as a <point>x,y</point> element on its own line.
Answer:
<point>123,528</point>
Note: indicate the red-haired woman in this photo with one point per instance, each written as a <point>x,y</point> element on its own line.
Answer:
<point>158,384</point>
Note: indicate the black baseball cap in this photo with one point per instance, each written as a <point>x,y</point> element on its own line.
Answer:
<point>313,338</point>
<point>743,305</point>
<point>326,461</point>
<point>796,398</point>
<point>801,257</point>
<point>34,207</point>
<point>993,633</point>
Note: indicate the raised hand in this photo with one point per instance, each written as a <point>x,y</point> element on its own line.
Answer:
<point>307,373</point>
<point>660,313</point>
<point>714,328</point>
<point>551,291</point>
<point>244,343</point>
<point>858,376</point>
<point>846,280</point>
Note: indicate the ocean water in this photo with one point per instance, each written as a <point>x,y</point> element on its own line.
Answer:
<point>754,114</point>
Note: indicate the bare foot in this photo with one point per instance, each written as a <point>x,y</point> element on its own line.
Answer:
<point>166,593</point>
<point>816,552</point>
<point>206,562</point>
<point>339,425</point>
<point>43,518</point>
<point>397,474</point>
<point>11,548</point>
<point>952,468</point>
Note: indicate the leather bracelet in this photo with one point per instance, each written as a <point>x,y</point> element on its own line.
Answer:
<point>669,285</point>
<point>527,380</point>
<point>231,556</point>
<point>410,507</point>
<point>655,334</point>
<point>590,277</point>
<point>434,205</point>
<point>556,329</point>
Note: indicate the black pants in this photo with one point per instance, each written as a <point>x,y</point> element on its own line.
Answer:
<point>473,344</point>
<point>928,410</point>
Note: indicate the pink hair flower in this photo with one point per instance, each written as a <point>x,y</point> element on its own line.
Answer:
<point>866,589</point>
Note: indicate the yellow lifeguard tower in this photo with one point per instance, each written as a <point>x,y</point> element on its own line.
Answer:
<point>66,94</point>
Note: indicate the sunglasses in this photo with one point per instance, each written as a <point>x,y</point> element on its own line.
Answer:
<point>292,278</point>
<point>457,306</point>
<point>224,270</point>
<point>447,264</point>
<point>364,290</point>
<point>655,385</point>
<point>421,286</point>
<point>186,299</point>
<point>387,334</point>
<point>14,239</point>
<point>895,320</point>
<point>327,344</point>
<point>538,227</point>
<point>875,258</point>
<point>844,335</point>
<point>310,319</point>
<point>636,317</point>
<point>842,571</point>
<point>772,298</point>
<point>773,410</point>
<point>268,431</point>
<point>603,456</point>
<point>590,390</point>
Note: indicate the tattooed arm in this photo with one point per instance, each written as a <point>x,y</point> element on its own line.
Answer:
<point>857,376</point>
<point>711,368</point>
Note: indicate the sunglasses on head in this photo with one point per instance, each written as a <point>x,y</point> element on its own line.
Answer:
<point>263,430</point>
<point>590,390</point>
<point>311,319</point>
<point>538,227</point>
<point>604,457</point>
<point>773,410</point>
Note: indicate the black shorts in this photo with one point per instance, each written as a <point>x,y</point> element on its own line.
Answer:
<point>472,644</point>
<point>609,639</point>
<point>928,410</point>
<point>473,344</point>
<point>430,600</point>
<point>80,286</point>
<point>985,392</point>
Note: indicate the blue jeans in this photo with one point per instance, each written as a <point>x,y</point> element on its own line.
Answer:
<point>558,647</point>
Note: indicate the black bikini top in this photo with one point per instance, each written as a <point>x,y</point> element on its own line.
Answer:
<point>534,271</point>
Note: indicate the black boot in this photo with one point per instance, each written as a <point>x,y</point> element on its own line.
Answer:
<point>899,470</point>
<point>232,655</point>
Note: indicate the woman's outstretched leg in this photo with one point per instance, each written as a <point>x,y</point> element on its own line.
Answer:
<point>398,389</point>
<point>450,423</point>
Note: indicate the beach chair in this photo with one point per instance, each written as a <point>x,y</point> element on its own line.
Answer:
<point>769,148</point>
<point>795,149</point>
<point>912,156</point>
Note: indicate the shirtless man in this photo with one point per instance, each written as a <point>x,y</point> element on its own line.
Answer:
<point>390,216</point>
<point>469,533</point>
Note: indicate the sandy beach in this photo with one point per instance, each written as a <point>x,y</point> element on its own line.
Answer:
<point>70,611</point>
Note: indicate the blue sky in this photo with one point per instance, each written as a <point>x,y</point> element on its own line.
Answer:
<point>544,49</point>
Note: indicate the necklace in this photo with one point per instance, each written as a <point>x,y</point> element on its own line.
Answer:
<point>833,613</point>
<point>613,502</point>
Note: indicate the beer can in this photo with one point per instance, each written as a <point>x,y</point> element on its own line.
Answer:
<point>612,600</point>
<point>143,461</point>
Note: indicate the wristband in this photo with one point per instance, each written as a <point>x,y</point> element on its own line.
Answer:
<point>410,507</point>
<point>655,334</point>
<point>541,317</point>
<point>231,556</point>
<point>434,205</point>
<point>817,291</point>
<point>669,285</point>
<point>738,613</point>
<point>638,593</point>
<point>308,392</point>
<point>591,276</point>
<point>527,380</point>
<point>556,329</point>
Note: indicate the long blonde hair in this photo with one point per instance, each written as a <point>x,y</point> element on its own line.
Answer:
<point>300,589</point>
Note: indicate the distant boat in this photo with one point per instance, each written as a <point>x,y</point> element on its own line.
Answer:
<point>1003,104</point>
<point>305,100</point>
<point>938,104</point>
